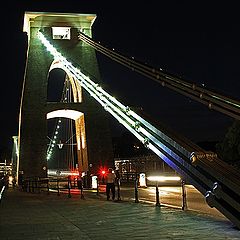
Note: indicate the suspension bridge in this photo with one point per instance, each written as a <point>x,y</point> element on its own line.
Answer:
<point>58,40</point>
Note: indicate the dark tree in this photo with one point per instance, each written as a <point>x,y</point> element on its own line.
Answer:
<point>229,149</point>
<point>128,145</point>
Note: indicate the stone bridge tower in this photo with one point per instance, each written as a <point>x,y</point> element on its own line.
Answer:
<point>92,127</point>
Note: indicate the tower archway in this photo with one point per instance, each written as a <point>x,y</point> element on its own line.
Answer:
<point>73,94</point>
<point>80,136</point>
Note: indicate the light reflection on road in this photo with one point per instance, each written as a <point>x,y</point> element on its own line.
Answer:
<point>172,195</point>
<point>163,191</point>
<point>169,196</point>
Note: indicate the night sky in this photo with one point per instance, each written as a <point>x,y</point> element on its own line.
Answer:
<point>199,42</point>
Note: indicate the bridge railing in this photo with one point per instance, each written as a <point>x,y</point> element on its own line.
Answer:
<point>53,185</point>
<point>34,184</point>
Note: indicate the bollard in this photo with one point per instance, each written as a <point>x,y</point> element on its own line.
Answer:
<point>35,185</point>
<point>38,185</point>
<point>48,187</point>
<point>32,186</point>
<point>136,190</point>
<point>118,189</point>
<point>69,187</point>
<point>58,187</point>
<point>82,196</point>
<point>184,197</point>
<point>157,195</point>
<point>29,186</point>
<point>97,187</point>
<point>80,187</point>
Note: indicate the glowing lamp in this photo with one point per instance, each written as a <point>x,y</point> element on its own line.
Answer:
<point>164,178</point>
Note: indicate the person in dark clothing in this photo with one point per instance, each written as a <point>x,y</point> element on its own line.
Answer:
<point>110,184</point>
<point>79,183</point>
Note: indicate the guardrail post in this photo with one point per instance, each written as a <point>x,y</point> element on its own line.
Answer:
<point>32,185</point>
<point>157,195</point>
<point>29,186</point>
<point>38,185</point>
<point>69,187</point>
<point>184,197</point>
<point>48,187</point>
<point>97,186</point>
<point>118,189</point>
<point>35,185</point>
<point>80,187</point>
<point>136,189</point>
<point>81,190</point>
<point>58,187</point>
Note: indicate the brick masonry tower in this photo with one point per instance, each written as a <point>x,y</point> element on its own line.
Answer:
<point>92,128</point>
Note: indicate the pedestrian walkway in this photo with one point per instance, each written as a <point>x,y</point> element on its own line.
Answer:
<point>40,216</point>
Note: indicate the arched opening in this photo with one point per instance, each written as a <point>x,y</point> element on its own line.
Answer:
<point>67,150</point>
<point>56,81</point>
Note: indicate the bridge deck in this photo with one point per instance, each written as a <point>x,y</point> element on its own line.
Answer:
<point>41,216</point>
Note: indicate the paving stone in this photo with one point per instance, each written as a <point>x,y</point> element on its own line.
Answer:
<point>51,217</point>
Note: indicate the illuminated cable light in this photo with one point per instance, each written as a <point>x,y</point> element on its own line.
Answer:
<point>137,125</point>
<point>158,133</point>
<point>158,143</point>
<point>90,86</point>
<point>127,109</point>
<point>107,101</point>
<point>124,123</point>
<point>146,142</point>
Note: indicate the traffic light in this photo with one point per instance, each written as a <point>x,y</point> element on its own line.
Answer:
<point>102,173</point>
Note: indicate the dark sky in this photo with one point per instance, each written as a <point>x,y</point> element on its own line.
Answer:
<point>198,41</point>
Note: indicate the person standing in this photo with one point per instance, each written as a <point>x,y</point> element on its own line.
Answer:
<point>110,183</point>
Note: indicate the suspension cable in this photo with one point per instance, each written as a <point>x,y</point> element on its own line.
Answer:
<point>202,173</point>
<point>213,100</point>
